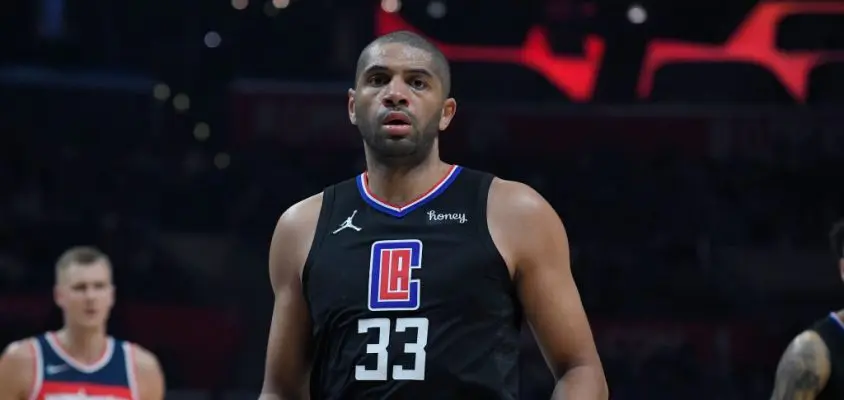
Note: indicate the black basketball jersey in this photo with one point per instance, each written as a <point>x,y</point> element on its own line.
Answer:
<point>831,330</point>
<point>411,302</point>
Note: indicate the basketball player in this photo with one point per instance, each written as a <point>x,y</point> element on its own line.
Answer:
<point>80,360</point>
<point>410,280</point>
<point>812,367</point>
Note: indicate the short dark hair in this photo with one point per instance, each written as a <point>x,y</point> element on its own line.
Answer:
<point>836,239</point>
<point>438,59</point>
<point>84,255</point>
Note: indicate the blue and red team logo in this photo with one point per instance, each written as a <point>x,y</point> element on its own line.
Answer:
<point>391,284</point>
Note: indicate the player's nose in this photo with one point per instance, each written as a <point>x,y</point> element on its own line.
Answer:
<point>90,294</point>
<point>396,95</point>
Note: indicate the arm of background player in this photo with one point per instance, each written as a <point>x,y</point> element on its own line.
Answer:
<point>149,376</point>
<point>533,240</point>
<point>803,369</point>
<point>16,371</point>
<point>288,350</point>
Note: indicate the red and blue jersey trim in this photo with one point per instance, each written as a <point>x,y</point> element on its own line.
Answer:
<point>401,211</point>
<point>59,375</point>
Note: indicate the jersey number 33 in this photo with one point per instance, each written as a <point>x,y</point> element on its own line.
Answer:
<point>393,288</point>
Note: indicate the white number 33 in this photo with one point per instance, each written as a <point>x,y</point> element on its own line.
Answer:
<point>379,349</point>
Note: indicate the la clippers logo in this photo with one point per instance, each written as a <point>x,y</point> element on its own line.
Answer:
<point>391,283</point>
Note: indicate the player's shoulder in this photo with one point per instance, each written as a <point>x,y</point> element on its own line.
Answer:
<point>292,238</point>
<point>302,213</point>
<point>144,359</point>
<point>804,367</point>
<point>17,362</point>
<point>521,223</point>
<point>19,351</point>
<point>516,200</point>
<point>806,352</point>
<point>808,343</point>
<point>148,373</point>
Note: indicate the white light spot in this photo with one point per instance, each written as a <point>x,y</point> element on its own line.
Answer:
<point>636,14</point>
<point>161,91</point>
<point>436,9</point>
<point>222,161</point>
<point>212,39</point>
<point>391,6</point>
<point>240,4</point>
<point>201,131</point>
<point>181,102</point>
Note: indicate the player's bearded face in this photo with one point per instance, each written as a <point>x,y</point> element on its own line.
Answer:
<point>398,104</point>
<point>390,148</point>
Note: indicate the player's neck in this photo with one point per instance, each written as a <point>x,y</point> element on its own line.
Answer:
<point>400,186</point>
<point>83,344</point>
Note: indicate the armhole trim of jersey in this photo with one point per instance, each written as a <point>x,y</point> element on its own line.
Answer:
<point>319,234</point>
<point>131,375</point>
<point>38,376</point>
<point>484,187</point>
<point>834,317</point>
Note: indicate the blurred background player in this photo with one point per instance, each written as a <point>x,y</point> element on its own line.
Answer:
<point>812,367</point>
<point>80,359</point>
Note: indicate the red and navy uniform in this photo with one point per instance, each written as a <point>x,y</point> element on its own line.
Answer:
<point>58,376</point>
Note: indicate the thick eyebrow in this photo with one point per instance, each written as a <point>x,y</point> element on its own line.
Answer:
<point>413,71</point>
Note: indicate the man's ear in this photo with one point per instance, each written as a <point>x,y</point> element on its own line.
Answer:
<point>352,117</point>
<point>58,298</point>
<point>841,268</point>
<point>449,109</point>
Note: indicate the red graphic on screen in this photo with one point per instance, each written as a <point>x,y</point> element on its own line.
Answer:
<point>754,42</point>
<point>575,76</point>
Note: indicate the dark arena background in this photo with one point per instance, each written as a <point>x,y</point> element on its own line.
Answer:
<point>694,149</point>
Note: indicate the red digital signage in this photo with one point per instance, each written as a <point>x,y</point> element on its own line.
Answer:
<point>575,76</point>
<point>754,42</point>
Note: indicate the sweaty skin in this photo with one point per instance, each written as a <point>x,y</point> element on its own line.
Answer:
<point>803,370</point>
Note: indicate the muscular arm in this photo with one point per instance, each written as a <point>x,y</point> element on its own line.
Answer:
<point>534,243</point>
<point>17,365</point>
<point>288,351</point>
<point>803,369</point>
<point>149,376</point>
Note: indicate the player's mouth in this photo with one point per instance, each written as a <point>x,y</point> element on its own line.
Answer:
<point>397,124</point>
